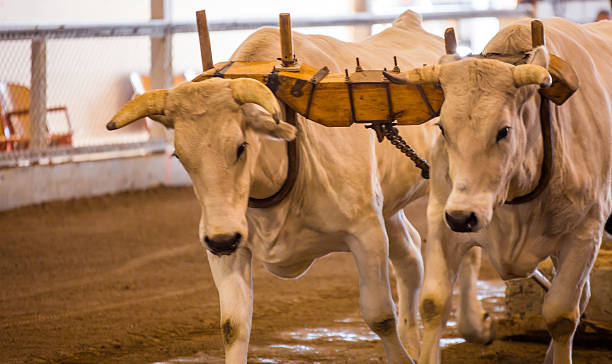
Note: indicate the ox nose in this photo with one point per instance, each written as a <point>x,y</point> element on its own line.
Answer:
<point>461,221</point>
<point>223,244</point>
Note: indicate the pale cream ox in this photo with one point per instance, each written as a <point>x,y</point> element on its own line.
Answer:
<point>349,193</point>
<point>490,151</point>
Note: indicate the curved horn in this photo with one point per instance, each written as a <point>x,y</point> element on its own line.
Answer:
<point>149,103</point>
<point>248,90</point>
<point>531,74</point>
<point>426,74</point>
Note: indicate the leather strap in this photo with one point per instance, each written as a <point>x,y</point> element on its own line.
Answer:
<point>292,170</point>
<point>546,169</point>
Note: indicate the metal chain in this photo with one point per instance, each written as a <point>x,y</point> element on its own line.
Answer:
<point>391,133</point>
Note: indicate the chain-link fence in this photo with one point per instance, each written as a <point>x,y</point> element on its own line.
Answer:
<point>60,85</point>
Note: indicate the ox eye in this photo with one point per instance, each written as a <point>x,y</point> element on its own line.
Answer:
<point>241,149</point>
<point>502,133</point>
<point>441,128</point>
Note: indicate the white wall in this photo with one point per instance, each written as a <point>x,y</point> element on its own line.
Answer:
<point>22,186</point>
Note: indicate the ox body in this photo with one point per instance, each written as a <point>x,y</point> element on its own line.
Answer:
<point>348,195</point>
<point>490,150</point>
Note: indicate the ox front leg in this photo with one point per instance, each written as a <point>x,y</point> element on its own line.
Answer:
<point>405,254</point>
<point>568,296</point>
<point>474,323</point>
<point>442,259</point>
<point>232,276</point>
<point>369,247</point>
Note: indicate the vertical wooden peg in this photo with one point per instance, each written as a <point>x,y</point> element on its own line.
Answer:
<point>205,51</point>
<point>537,34</point>
<point>358,66</point>
<point>395,66</point>
<point>286,40</point>
<point>450,41</point>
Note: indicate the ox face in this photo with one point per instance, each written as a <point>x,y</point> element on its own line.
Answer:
<point>481,143</point>
<point>217,139</point>
<point>484,123</point>
<point>487,129</point>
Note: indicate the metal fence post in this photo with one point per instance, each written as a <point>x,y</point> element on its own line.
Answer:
<point>360,32</point>
<point>38,93</point>
<point>161,58</point>
<point>161,48</point>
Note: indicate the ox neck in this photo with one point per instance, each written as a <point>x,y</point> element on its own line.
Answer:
<point>292,166</point>
<point>546,165</point>
<point>270,170</point>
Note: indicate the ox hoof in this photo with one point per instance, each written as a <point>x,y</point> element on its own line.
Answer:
<point>482,333</point>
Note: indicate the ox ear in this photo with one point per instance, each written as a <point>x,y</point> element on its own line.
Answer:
<point>540,57</point>
<point>262,122</point>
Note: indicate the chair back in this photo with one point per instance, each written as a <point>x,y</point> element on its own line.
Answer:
<point>15,100</point>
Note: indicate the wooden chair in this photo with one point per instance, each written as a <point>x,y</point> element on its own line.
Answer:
<point>8,141</point>
<point>15,103</point>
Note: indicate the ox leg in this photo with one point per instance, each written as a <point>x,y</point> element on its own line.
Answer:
<point>442,259</point>
<point>474,323</point>
<point>369,247</point>
<point>405,255</point>
<point>568,296</point>
<point>232,276</point>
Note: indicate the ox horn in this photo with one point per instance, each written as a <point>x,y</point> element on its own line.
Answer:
<point>531,74</point>
<point>426,74</point>
<point>248,90</point>
<point>150,103</point>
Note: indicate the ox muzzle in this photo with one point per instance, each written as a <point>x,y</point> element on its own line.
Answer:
<point>461,221</point>
<point>223,244</point>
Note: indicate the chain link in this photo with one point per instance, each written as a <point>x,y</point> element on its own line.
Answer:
<point>390,132</point>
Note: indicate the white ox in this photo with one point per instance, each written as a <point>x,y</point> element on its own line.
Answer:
<point>348,196</point>
<point>490,151</point>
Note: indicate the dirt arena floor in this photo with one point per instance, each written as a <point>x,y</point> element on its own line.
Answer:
<point>123,279</point>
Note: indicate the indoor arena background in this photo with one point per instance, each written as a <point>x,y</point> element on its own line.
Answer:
<point>99,255</point>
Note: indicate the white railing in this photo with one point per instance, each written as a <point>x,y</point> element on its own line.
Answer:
<point>161,33</point>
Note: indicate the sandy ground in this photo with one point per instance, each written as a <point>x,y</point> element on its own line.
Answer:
<point>123,279</point>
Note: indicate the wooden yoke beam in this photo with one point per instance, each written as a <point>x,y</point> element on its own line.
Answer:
<point>205,51</point>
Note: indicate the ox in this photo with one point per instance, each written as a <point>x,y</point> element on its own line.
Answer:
<point>490,151</point>
<point>348,195</point>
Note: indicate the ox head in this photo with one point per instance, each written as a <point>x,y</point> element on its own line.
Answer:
<point>217,127</point>
<point>488,128</point>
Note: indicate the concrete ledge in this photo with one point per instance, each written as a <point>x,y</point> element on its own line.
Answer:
<point>21,186</point>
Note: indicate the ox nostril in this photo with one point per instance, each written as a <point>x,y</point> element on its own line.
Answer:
<point>461,222</point>
<point>237,239</point>
<point>223,244</point>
